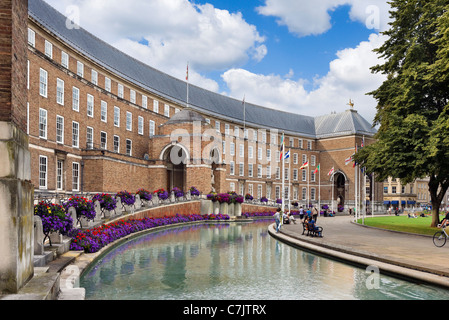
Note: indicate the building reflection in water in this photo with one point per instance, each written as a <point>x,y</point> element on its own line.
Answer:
<point>224,261</point>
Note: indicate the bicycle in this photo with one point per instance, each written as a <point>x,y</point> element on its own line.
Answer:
<point>440,237</point>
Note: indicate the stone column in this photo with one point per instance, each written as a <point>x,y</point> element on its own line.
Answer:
<point>16,190</point>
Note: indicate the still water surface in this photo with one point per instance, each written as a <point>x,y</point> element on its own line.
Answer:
<point>233,261</point>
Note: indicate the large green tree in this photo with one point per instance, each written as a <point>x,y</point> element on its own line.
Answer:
<point>412,103</point>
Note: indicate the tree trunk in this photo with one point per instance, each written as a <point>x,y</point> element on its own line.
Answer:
<point>435,214</point>
<point>437,191</point>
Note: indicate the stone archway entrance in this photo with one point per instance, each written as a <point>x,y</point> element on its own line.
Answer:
<point>175,159</point>
<point>339,187</point>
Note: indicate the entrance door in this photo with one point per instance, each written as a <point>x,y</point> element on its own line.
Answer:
<point>339,180</point>
<point>175,158</point>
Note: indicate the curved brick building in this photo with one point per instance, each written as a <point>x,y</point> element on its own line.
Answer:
<point>99,120</point>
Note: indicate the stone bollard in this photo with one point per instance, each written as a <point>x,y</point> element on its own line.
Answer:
<point>119,208</point>
<point>206,206</point>
<point>231,208</point>
<point>97,207</point>
<point>138,203</point>
<point>55,238</point>
<point>238,209</point>
<point>216,207</point>
<point>224,208</point>
<point>72,213</point>
<point>38,236</point>
<point>155,199</point>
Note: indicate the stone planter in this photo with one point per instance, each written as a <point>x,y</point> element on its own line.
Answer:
<point>237,209</point>
<point>216,207</point>
<point>224,208</point>
<point>231,209</point>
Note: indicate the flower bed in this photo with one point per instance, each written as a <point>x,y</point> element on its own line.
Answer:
<point>194,191</point>
<point>161,193</point>
<point>126,197</point>
<point>83,207</point>
<point>94,239</point>
<point>235,198</point>
<point>212,196</point>
<point>54,218</point>
<point>229,197</point>
<point>177,192</point>
<point>257,214</point>
<point>106,201</point>
<point>144,194</point>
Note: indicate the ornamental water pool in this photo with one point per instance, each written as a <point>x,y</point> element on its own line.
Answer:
<point>233,261</point>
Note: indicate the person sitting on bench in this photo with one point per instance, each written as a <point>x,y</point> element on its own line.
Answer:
<point>285,218</point>
<point>314,228</point>
<point>291,218</point>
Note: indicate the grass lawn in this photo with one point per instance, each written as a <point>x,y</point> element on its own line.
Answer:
<point>420,225</point>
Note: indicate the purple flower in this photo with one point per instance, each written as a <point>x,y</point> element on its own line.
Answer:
<point>144,194</point>
<point>257,214</point>
<point>54,218</point>
<point>126,197</point>
<point>83,207</point>
<point>212,196</point>
<point>106,201</point>
<point>177,192</point>
<point>194,191</point>
<point>163,195</point>
<point>92,240</point>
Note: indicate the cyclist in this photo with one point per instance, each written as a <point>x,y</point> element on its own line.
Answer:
<point>445,222</point>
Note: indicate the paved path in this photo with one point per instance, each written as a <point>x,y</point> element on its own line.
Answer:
<point>410,255</point>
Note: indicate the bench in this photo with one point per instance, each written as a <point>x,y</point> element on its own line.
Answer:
<point>313,232</point>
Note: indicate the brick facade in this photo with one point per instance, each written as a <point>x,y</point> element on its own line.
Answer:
<point>16,190</point>
<point>101,168</point>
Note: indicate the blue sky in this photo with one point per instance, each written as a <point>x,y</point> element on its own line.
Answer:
<point>294,55</point>
<point>307,56</point>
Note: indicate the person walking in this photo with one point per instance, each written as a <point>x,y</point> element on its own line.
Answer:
<point>315,213</point>
<point>301,213</point>
<point>277,219</point>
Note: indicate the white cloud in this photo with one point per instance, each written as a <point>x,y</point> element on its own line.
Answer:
<point>349,77</point>
<point>305,17</point>
<point>270,91</point>
<point>167,34</point>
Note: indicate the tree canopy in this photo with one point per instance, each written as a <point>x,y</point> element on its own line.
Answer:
<point>412,111</point>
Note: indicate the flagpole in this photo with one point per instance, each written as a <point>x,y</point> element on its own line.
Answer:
<point>359,191</point>
<point>364,194</point>
<point>244,115</point>
<point>319,189</point>
<point>308,178</point>
<point>283,176</point>
<point>372,193</point>
<point>332,192</point>
<point>187,80</point>
<point>355,193</point>
<point>289,181</point>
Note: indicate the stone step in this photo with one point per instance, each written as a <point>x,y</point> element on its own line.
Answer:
<point>43,286</point>
<point>44,259</point>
